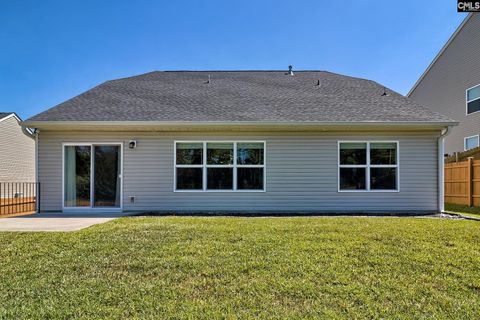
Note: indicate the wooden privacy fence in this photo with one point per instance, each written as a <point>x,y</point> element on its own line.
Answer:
<point>19,197</point>
<point>462,183</point>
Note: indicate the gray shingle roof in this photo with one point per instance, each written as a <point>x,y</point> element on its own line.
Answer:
<point>4,114</point>
<point>248,96</point>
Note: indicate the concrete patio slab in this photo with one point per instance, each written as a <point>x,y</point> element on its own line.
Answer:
<point>56,221</point>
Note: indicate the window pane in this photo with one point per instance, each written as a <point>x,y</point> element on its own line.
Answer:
<point>471,143</point>
<point>106,181</point>
<point>220,178</point>
<point>189,153</point>
<point>219,153</point>
<point>473,106</point>
<point>383,178</point>
<point>352,179</point>
<point>250,178</point>
<point>250,153</point>
<point>189,178</point>
<point>353,153</point>
<point>77,176</point>
<point>473,93</point>
<point>383,153</point>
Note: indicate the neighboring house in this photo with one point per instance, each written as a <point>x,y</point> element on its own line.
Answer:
<point>451,85</point>
<point>17,150</point>
<point>241,141</point>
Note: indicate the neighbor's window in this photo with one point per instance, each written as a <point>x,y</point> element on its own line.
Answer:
<point>227,166</point>
<point>473,99</point>
<point>471,142</point>
<point>365,166</point>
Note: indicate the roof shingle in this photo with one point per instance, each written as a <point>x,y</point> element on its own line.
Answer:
<point>4,114</point>
<point>240,96</point>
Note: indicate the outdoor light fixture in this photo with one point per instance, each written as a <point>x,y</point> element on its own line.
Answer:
<point>132,144</point>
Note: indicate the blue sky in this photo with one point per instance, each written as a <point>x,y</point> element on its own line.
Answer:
<point>53,50</point>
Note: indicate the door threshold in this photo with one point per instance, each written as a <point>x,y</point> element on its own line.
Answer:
<point>93,211</point>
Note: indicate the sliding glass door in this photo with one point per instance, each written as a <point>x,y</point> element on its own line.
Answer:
<point>92,176</point>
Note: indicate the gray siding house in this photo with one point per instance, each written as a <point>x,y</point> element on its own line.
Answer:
<point>451,85</point>
<point>17,150</point>
<point>241,141</point>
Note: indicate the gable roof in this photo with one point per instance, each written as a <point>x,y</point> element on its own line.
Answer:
<point>440,53</point>
<point>5,114</point>
<point>239,96</point>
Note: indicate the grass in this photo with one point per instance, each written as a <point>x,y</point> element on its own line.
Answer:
<point>464,210</point>
<point>250,268</point>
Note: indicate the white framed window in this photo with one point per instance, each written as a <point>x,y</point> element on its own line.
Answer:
<point>219,166</point>
<point>471,142</point>
<point>368,166</point>
<point>473,99</point>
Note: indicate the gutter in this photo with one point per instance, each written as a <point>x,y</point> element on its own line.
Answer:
<point>27,131</point>
<point>36,124</point>
<point>441,169</point>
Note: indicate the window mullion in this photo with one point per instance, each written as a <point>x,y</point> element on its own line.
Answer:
<point>235,166</point>
<point>204,177</point>
<point>367,170</point>
<point>473,100</point>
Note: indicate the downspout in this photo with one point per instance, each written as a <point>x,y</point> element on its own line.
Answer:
<point>28,132</point>
<point>33,133</point>
<point>36,132</point>
<point>441,169</point>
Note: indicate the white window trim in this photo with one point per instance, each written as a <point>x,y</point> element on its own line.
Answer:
<point>204,166</point>
<point>465,142</point>
<point>91,208</point>
<point>468,101</point>
<point>367,167</point>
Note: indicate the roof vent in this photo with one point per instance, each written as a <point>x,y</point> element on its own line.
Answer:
<point>290,70</point>
<point>384,92</point>
<point>208,81</point>
<point>318,82</point>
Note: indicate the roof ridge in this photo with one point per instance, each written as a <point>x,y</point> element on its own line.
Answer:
<point>240,71</point>
<point>214,71</point>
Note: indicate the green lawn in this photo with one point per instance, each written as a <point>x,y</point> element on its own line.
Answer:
<point>208,268</point>
<point>463,210</point>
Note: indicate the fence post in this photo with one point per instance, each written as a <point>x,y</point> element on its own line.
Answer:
<point>470,180</point>
<point>38,196</point>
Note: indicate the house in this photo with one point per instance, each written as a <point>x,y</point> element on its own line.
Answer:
<point>17,151</point>
<point>241,141</point>
<point>451,85</point>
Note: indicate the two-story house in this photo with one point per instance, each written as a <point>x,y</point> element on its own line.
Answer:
<point>451,85</point>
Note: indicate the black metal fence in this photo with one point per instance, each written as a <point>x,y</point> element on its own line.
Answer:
<point>19,197</point>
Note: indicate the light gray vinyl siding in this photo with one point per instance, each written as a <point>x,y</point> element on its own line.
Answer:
<point>443,87</point>
<point>301,173</point>
<point>17,153</point>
